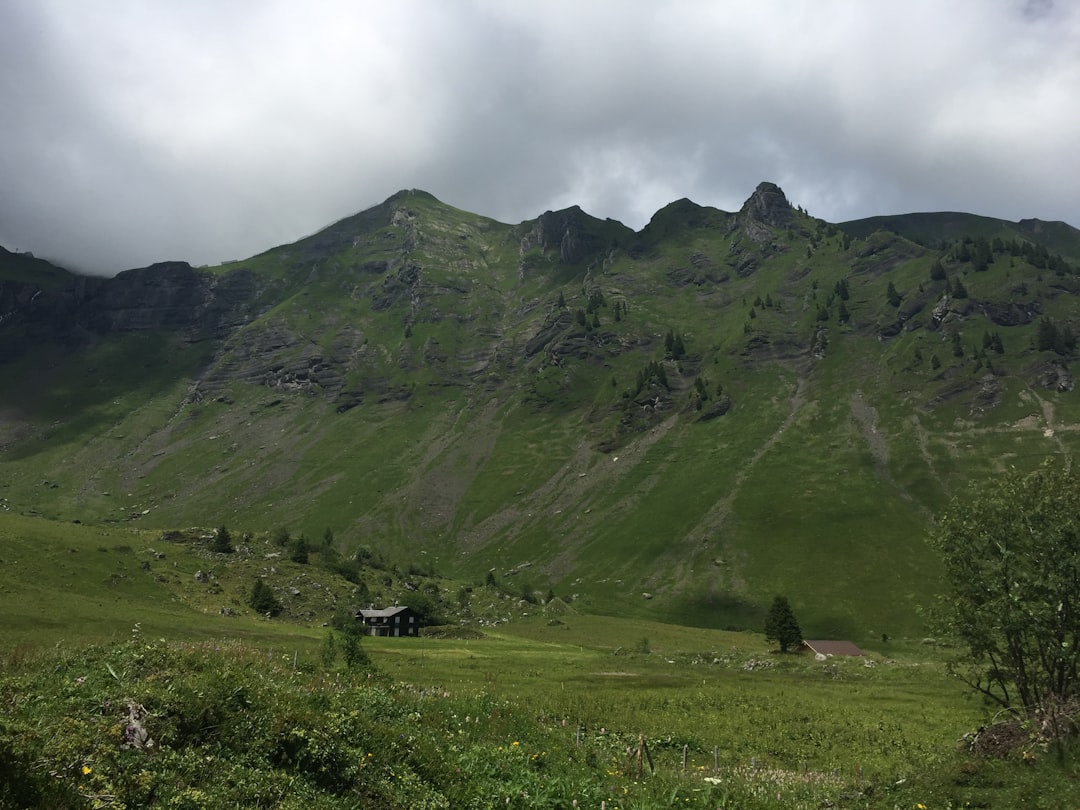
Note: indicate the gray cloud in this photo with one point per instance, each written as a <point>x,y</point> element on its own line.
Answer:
<point>135,131</point>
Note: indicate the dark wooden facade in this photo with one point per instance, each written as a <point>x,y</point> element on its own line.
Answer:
<point>398,620</point>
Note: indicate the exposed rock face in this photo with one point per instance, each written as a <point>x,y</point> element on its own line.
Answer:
<point>576,236</point>
<point>398,287</point>
<point>768,206</point>
<point>1055,377</point>
<point>552,328</point>
<point>560,230</point>
<point>170,295</point>
<point>1010,313</point>
<point>174,296</point>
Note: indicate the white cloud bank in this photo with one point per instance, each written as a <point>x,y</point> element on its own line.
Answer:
<point>134,131</point>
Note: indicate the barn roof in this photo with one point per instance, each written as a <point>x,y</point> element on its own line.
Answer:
<point>823,647</point>
<point>382,613</point>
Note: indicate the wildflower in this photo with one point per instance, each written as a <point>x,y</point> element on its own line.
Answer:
<point>86,770</point>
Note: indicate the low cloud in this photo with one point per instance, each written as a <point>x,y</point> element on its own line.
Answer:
<point>138,131</point>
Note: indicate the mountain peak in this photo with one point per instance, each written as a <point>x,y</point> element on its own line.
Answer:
<point>768,205</point>
<point>406,193</point>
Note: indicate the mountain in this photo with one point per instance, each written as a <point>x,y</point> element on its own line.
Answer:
<point>679,423</point>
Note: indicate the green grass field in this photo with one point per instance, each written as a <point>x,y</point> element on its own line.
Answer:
<point>537,711</point>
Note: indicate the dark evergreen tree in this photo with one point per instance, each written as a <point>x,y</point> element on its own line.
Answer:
<point>781,626</point>
<point>222,541</point>
<point>263,600</point>
<point>298,551</point>
<point>892,295</point>
<point>957,346</point>
<point>678,348</point>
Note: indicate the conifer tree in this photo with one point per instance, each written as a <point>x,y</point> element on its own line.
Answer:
<point>781,626</point>
<point>222,541</point>
<point>263,599</point>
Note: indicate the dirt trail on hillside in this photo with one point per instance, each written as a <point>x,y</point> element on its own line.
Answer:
<point>865,416</point>
<point>1052,428</point>
<point>719,523</point>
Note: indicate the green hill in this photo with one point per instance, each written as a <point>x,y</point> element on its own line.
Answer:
<point>676,424</point>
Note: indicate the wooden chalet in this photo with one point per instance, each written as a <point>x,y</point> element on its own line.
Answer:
<point>398,620</point>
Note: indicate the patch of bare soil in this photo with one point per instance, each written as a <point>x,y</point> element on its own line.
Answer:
<point>922,440</point>
<point>866,418</point>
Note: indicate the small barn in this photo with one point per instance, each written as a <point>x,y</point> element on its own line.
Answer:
<point>830,648</point>
<point>398,620</point>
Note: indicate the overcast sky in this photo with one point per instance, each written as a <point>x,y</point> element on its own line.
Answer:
<point>134,131</point>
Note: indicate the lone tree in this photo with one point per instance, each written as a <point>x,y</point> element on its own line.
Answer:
<point>222,543</point>
<point>262,599</point>
<point>781,626</point>
<point>1011,552</point>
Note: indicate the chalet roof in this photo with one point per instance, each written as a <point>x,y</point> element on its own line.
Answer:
<point>823,647</point>
<point>382,613</point>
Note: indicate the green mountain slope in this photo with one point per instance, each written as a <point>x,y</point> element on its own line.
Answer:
<point>677,423</point>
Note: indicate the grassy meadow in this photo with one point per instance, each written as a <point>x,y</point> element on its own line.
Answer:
<point>511,705</point>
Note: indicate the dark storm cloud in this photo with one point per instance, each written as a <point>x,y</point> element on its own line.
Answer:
<point>140,131</point>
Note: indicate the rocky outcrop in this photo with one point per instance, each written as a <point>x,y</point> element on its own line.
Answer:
<point>173,296</point>
<point>767,206</point>
<point>397,287</point>
<point>552,328</point>
<point>1010,313</point>
<point>572,235</point>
